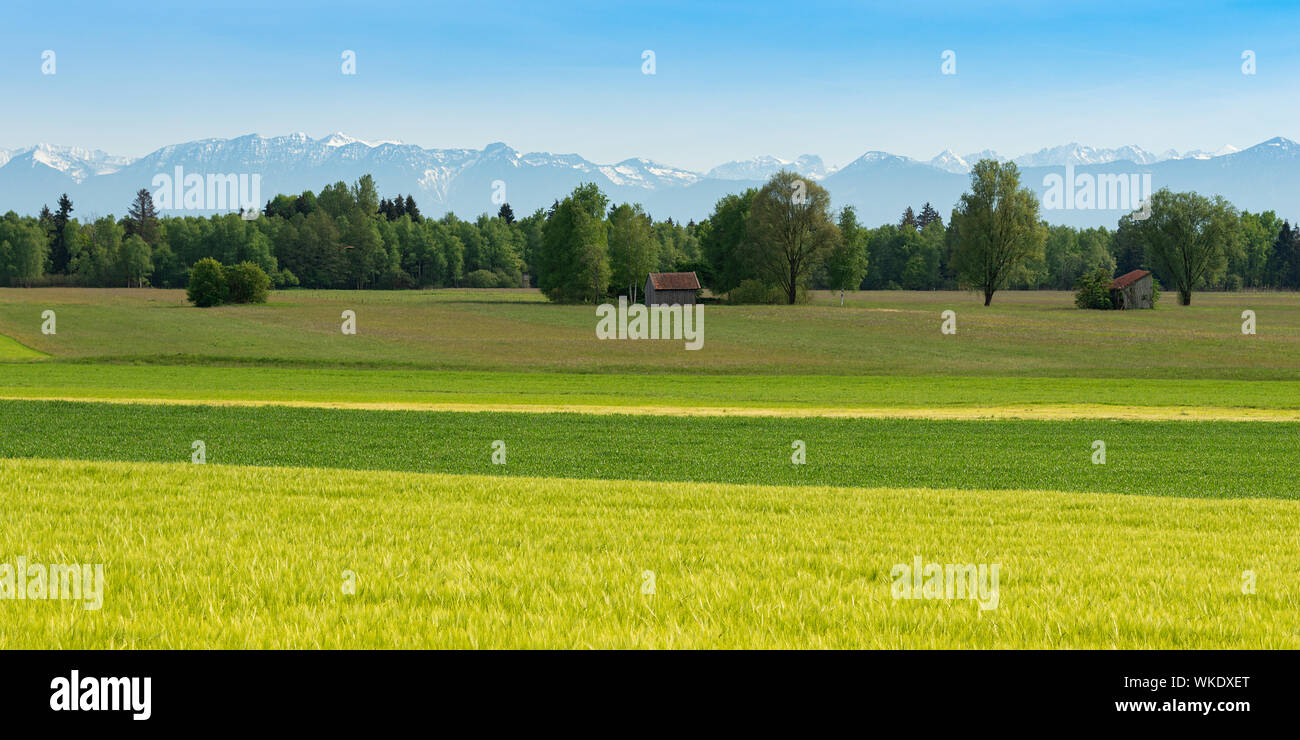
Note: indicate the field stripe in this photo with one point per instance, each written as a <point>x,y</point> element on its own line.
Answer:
<point>1042,412</point>
<point>239,557</point>
<point>12,349</point>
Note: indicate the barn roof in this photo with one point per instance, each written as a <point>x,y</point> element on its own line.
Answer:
<point>674,281</point>
<point>1128,278</point>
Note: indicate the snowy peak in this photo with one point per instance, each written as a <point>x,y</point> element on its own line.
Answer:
<point>75,162</point>
<point>1077,154</point>
<point>948,161</point>
<point>763,167</point>
<point>338,138</point>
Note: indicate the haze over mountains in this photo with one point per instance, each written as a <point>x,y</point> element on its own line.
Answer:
<point>1262,177</point>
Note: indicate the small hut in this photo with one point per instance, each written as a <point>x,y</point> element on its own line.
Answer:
<point>671,288</point>
<point>1134,289</point>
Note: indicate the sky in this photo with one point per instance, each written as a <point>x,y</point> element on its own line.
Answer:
<point>732,80</point>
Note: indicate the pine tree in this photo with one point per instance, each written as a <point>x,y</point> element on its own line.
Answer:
<point>506,213</point>
<point>909,218</point>
<point>928,216</point>
<point>399,208</point>
<point>413,210</point>
<point>59,256</point>
<point>142,218</point>
<point>1284,258</point>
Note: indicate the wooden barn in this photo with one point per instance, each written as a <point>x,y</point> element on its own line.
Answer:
<point>671,288</point>
<point>1133,290</point>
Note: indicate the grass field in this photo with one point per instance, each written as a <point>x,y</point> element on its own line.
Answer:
<point>1021,335</point>
<point>373,453</point>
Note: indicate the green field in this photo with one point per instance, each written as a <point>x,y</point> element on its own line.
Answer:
<point>373,453</point>
<point>1210,459</point>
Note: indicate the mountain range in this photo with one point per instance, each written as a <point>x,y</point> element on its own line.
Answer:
<point>879,184</point>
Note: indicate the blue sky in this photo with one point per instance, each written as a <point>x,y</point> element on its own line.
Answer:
<point>733,80</point>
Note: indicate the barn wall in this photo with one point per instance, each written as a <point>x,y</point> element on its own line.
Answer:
<point>1138,295</point>
<point>670,297</point>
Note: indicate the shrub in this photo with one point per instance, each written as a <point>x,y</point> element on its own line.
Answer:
<point>1093,290</point>
<point>207,286</point>
<point>481,279</point>
<point>755,291</point>
<point>247,283</point>
<point>285,279</point>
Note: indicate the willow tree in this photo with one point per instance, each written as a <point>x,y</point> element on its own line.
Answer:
<point>995,228</point>
<point>1189,238</point>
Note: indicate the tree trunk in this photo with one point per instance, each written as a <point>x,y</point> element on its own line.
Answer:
<point>988,297</point>
<point>1185,297</point>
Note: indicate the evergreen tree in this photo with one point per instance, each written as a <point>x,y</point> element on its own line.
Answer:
<point>928,216</point>
<point>506,213</point>
<point>909,219</point>
<point>1284,258</point>
<point>142,218</point>
<point>59,253</point>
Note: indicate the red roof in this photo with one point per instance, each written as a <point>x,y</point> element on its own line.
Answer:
<point>674,281</point>
<point>1128,278</point>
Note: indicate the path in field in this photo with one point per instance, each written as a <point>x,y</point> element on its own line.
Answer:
<point>240,557</point>
<point>972,413</point>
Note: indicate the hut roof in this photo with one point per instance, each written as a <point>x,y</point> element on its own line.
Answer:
<point>674,281</point>
<point>1128,278</point>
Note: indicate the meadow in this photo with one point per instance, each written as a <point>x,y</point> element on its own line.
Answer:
<point>373,453</point>
<point>1031,334</point>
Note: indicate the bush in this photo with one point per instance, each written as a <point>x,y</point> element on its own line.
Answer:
<point>1093,290</point>
<point>481,279</point>
<point>247,283</point>
<point>755,291</point>
<point>207,286</point>
<point>285,279</point>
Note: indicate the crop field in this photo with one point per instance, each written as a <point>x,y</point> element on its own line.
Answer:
<point>243,557</point>
<point>474,468</point>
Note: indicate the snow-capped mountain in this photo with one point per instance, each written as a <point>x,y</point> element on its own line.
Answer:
<point>761,168</point>
<point>1077,154</point>
<point>471,181</point>
<point>76,162</point>
<point>948,161</point>
<point>1073,154</point>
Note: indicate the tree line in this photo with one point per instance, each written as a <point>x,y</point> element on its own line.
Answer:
<point>765,244</point>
